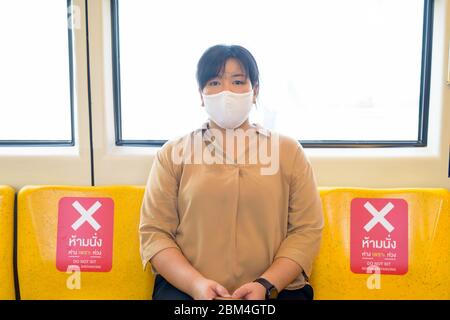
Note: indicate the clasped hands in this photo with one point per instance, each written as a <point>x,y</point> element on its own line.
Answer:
<point>207,289</point>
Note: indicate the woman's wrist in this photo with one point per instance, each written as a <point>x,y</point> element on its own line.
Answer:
<point>282,272</point>
<point>194,284</point>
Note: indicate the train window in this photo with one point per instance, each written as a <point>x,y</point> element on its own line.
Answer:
<point>345,73</point>
<point>35,77</point>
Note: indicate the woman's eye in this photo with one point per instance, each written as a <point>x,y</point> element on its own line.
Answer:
<point>239,82</point>
<point>214,83</point>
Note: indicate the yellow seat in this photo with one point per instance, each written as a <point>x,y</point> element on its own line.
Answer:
<point>6,243</point>
<point>50,221</point>
<point>428,274</point>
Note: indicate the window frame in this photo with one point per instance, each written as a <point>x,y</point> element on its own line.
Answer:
<point>55,143</point>
<point>424,99</point>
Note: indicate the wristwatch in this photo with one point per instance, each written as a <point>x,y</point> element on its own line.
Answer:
<point>271,290</point>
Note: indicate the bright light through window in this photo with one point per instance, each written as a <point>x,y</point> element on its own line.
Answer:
<point>34,71</point>
<point>330,70</point>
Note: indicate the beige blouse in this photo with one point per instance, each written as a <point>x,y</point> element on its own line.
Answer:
<point>231,219</point>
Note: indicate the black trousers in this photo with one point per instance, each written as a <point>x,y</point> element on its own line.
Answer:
<point>163,290</point>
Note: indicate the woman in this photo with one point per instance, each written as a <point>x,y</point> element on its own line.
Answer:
<point>222,217</point>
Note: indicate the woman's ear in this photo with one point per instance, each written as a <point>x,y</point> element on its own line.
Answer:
<point>201,97</point>
<point>255,93</point>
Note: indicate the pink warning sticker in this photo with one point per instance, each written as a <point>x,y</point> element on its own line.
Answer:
<point>85,234</point>
<point>379,236</point>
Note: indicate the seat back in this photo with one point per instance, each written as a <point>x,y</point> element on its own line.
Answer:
<point>7,291</point>
<point>81,243</point>
<point>59,227</point>
<point>360,229</point>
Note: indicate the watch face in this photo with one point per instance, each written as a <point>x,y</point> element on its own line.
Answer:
<point>271,290</point>
<point>273,293</point>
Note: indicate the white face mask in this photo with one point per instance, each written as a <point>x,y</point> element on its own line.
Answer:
<point>228,109</point>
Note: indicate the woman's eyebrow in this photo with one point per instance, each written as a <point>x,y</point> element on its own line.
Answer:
<point>233,75</point>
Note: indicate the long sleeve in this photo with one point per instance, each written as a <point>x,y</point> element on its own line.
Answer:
<point>159,217</point>
<point>305,216</point>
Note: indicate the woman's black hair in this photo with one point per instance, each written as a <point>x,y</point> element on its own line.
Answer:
<point>213,60</point>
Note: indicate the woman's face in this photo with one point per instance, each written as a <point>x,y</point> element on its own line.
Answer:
<point>233,79</point>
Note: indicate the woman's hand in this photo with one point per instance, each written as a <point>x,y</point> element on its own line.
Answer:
<point>250,291</point>
<point>206,289</point>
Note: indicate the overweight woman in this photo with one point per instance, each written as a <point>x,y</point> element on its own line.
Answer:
<point>231,210</point>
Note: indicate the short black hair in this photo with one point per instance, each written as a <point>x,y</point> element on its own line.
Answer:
<point>214,58</point>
